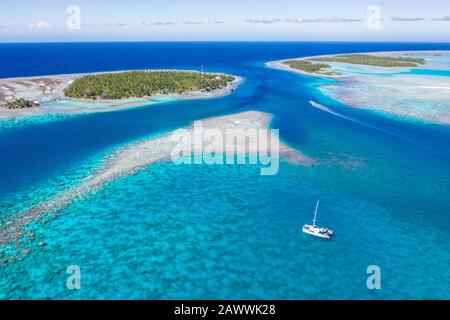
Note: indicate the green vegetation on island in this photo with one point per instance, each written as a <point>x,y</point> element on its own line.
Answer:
<point>308,66</point>
<point>137,84</point>
<point>18,104</point>
<point>316,65</point>
<point>378,61</point>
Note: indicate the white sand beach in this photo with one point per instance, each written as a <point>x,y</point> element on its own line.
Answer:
<point>48,91</point>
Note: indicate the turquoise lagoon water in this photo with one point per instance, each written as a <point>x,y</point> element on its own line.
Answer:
<point>198,231</point>
<point>417,94</point>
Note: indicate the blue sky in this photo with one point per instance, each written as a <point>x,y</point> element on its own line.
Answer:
<point>184,20</point>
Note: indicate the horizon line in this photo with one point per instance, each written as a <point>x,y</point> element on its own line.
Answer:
<point>226,41</point>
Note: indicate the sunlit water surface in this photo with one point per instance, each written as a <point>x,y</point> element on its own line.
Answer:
<point>198,231</point>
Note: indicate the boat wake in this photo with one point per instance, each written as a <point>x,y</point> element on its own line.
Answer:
<point>326,109</point>
<point>365,124</point>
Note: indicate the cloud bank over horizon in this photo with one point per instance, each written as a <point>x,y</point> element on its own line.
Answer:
<point>295,20</point>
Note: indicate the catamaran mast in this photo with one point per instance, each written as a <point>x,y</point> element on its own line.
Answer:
<point>315,213</point>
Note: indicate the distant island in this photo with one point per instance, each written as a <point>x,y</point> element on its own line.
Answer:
<point>385,82</point>
<point>371,60</point>
<point>308,66</point>
<point>316,65</point>
<point>136,84</point>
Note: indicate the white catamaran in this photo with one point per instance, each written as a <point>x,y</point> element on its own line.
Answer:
<point>315,230</point>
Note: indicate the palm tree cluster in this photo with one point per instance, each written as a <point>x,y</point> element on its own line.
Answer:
<point>18,104</point>
<point>379,61</point>
<point>129,84</point>
<point>307,66</point>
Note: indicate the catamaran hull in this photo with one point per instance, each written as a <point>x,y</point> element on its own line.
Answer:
<point>316,232</point>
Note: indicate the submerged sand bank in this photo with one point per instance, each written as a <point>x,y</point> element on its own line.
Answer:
<point>138,155</point>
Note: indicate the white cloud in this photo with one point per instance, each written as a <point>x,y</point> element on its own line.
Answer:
<point>446,18</point>
<point>156,23</point>
<point>263,21</point>
<point>192,22</point>
<point>324,19</point>
<point>117,24</point>
<point>406,19</point>
<point>40,25</point>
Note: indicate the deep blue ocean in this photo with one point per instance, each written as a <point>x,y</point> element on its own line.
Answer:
<point>216,232</point>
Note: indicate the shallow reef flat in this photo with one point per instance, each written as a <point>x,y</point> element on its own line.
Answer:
<point>133,157</point>
<point>409,96</point>
<point>415,93</point>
